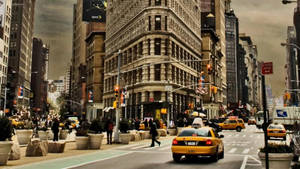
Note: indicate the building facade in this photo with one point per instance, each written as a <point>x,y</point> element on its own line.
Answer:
<point>95,69</point>
<point>297,28</point>
<point>5,16</point>
<point>291,66</point>
<point>20,51</point>
<point>153,36</point>
<point>39,83</point>
<point>232,41</point>
<point>78,75</point>
<point>241,75</point>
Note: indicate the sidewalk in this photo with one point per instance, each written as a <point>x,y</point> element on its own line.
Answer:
<point>70,151</point>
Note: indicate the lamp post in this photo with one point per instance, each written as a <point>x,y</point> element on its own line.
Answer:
<point>288,2</point>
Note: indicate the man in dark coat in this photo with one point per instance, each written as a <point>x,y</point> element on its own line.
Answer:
<point>109,130</point>
<point>55,129</point>
<point>154,134</point>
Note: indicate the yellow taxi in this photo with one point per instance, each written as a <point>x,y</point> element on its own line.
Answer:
<point>233,124</point>
<point>194,142</point>
<point>15,122</point>
<point>276,131</point>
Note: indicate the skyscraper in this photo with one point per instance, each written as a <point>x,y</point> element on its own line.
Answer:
<point>39,84</point>
<point>297,27</point>
<point>20,51</point>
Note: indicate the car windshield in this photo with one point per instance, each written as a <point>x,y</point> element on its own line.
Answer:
<point>73,118</point>
<point>198,132</point>
<point>275,127</point>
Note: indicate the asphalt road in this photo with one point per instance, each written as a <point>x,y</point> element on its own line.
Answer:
<point>241,150</point>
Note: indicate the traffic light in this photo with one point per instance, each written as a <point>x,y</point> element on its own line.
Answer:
<point>117,88</point>
<point>209,68</point>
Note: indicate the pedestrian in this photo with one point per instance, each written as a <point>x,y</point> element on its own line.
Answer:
<point>146,124</point>
<point>109,130</point>
<point>137,124</point>
<point>55,129</point>
<point>150,123</point>
<point>154,134</point>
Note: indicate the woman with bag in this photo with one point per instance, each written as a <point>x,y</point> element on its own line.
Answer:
<point>154,134</point>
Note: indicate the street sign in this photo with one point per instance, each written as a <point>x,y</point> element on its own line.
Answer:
<point>267,68</point>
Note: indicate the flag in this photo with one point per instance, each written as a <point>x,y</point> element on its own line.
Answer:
<point>21,92</point>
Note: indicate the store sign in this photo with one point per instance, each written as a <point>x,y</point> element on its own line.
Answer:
<point>94,10</point>
<point>267,68</point>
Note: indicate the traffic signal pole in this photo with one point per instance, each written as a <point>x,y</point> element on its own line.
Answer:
<point>266,120</point>
<point>118,110</point>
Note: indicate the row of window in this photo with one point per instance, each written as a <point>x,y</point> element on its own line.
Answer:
<point>157,23</point>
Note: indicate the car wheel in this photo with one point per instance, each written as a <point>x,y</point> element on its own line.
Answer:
<point>215,157</point>
<point>295,158</point>
<point>284,138</point>
<point>176,157</point>
<point>222,154</point>
<point>238,129</point>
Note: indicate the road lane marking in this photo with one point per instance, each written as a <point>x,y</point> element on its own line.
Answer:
<point>91,162</point>
<point>253,158</point>
<point>142,146</point>
<point>244,162</point>
<point>246,151</point>
<point>149,148</point>
<point>232,150</point>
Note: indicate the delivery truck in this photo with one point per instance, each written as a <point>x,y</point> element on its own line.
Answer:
<point>286,116</point>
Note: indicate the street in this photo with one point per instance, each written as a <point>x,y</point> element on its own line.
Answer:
<point>240,153</point>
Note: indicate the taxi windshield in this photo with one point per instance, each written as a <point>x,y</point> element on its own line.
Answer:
<point>198,133</point>
<point>275,127</point>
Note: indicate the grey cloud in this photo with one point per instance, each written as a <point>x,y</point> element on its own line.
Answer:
<point>266,22</point>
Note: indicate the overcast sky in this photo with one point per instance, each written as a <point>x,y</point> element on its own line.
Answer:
<point>265,21</point>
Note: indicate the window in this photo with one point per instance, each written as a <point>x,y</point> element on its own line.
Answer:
<point>157,2</point>
<point>157,72</point>
<point>149,46</point>
<point>157,22</point>
<point>166,23</point>
<point>167,47</point>
<point>157,46</point>
<point>149,26</point>
<point>150,2</point>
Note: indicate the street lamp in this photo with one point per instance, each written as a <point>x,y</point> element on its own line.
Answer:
<point>288,1</point>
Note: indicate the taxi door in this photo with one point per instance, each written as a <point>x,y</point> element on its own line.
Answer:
<point>232,124</point>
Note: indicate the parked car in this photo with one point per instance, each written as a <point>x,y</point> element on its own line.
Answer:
<point>252,121</point>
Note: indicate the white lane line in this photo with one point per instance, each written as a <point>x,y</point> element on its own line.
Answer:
<point>253,158</point>
<point>232,150</point>
<point>244,162</point>
<point>246,151</point>
<point>237,135</point>
<point>149,148</point>
<point>229,135</point>
<point>128,146</point>
<point>142,146</point>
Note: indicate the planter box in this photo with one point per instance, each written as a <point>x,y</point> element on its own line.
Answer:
<point>43,135</point>
<point>24,136</point>
<point>95,141</point>
<point>56,146</point>
<point>50,135</point>
<point>125,138</point>
<point>63,134</point>
<point>5,148</point>
<point>142,134</point>
<point>147,135</point>
<point>277,160</point>
<point>172,132</point>
<point>162,132</point>
<point>82,143</point>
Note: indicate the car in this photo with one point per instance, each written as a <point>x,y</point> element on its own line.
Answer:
<point>276,131</point>
<point>15,122</point>
<point>233,124</point>
<point>252,121</point>
<point>194,142</point>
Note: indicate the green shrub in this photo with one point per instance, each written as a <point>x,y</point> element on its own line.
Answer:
<point>6,128</point>
<point>277,148</point>
<point>124,126</point>
<point>96,127</point>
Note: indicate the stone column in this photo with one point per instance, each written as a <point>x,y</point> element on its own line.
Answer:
<point>152,94</point>
<point>145,74</point>
<point>163,96</point>
<point>170,48</point>
<point>145,47</point>
<point>152,72</point>
<point>163,46</point>
<point>152,47</point>
<point>163,72</point>
<point>175,75</point>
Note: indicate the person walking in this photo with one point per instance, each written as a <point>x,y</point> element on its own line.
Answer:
<point>154,133</point>
<point>55,129</point>
<point>137,124</point>
<point>109,130</point>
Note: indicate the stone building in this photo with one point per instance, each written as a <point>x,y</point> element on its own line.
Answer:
<point>154,38</point>
<point>95,37</point>
<point>20,51</point>
<point>78,72</point>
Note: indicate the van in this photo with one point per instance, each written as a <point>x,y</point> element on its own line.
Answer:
<point>197,123</point>
<point>286,116</point>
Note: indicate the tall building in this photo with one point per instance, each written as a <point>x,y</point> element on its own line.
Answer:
<point>232,41</point>
<point>67,80</point>
<point>252,70</point>
<point>78,78</point>
<point>291,65</point>
<point>241,75</point>
<point>95,68</point>
<point>5,20</point>
<point>217,9</point>
<point>297,27</point>
<point>148,34</point>
<point>39,83</point>
<point>20,51</point>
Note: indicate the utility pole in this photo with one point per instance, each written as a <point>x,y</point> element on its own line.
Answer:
<point>5,95</point>
<point>265,125</point>
<point>116,134</point>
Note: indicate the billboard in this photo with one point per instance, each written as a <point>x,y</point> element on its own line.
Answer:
<point>94,10</point>
<point>2,12</point>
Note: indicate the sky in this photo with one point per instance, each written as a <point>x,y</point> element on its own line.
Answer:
<point>265,21</point>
